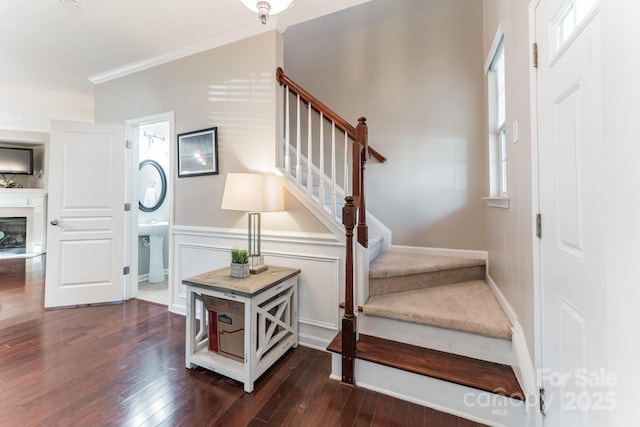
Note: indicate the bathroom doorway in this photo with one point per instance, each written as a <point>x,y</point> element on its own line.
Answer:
<point>152,207</point>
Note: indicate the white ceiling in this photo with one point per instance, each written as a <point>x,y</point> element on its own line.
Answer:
<point>50,48</point>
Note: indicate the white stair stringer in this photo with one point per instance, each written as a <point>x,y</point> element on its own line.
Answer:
<point>447,340</point>
<point>466,402</point>
<point>319,212</point>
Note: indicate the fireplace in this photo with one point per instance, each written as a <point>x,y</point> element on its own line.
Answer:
<point>22,205</point>
<point>13,235</point>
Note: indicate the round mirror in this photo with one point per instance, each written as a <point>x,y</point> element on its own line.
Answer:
<point>152,185</point>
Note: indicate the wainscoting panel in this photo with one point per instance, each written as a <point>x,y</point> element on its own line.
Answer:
<point>320,258</point>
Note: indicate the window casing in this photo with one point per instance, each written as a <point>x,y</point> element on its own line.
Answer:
<point>497,123</point>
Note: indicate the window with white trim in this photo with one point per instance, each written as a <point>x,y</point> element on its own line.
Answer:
<point>497,121</point>
<point>569,19</point>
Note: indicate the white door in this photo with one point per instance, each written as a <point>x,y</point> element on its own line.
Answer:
<point>570,142</point>
<point>85,233</point>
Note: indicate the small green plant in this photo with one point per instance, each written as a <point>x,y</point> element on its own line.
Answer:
<point>239,256</point>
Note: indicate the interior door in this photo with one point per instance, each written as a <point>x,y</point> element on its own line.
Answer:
<point>85,233</point>
<point>570,143</point>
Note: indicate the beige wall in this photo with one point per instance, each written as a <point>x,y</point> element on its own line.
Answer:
<point>509,231</point>
<point>232,87</point>
<point>414,69</point>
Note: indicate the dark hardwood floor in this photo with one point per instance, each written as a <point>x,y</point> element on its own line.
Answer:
<point>123,365</point>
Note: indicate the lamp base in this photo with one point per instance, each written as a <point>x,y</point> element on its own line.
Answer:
<point>256,264</point>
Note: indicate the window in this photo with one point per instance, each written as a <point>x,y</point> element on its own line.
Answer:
<point>569,19</point>
<point>497,120</point>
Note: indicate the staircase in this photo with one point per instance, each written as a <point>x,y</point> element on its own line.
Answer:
<point>432,332</point>
<point>429,328</point>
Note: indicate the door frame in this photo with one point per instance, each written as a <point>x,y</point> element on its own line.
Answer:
<point>536,415</point>
<point>132,134</point>
<point>538,306</point>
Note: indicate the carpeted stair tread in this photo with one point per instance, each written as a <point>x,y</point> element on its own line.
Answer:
<point>479,374</point>
<point>392,264</point>
<point>468,307</point>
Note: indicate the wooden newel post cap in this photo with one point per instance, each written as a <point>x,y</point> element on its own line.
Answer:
<point>349,212</point>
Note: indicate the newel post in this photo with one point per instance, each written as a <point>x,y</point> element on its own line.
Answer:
<point>348,319</point>
<point>362,137</point>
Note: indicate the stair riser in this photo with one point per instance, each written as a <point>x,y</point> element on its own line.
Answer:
<point>462,343</point>
<point>381,286</point>
<point>480,406</point>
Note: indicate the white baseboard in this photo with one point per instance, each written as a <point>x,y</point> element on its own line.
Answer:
<point>315,336</point>
<point>506,307</point>
<point>521,361</point>
<point>145,277</point>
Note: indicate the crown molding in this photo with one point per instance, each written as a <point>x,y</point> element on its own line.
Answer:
<point>274,23</point>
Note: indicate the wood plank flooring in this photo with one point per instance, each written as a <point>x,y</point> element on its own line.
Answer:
<point>123,365</point>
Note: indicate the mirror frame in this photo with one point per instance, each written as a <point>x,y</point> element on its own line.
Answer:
<point>163,179</point>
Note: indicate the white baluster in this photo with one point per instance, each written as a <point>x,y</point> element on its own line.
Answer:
<point>333,169</point>
<point>321,188</point>
<point>309,154</point>
<point>287,135</point>
<point>298,166</point>
<point>345,181</point>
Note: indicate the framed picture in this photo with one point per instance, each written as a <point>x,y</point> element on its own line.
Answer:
<point>198,153</point>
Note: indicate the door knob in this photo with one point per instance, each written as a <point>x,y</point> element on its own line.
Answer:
<point>54,222</point>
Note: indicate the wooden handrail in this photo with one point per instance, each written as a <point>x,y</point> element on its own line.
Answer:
<point>372,152</point>
<point>320,107</point>
<point>354,211</point>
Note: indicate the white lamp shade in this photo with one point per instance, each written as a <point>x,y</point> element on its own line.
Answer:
<point>251,192</point>
<point>277,6</point>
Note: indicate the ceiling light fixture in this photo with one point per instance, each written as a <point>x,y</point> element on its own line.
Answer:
<point>266,8</point>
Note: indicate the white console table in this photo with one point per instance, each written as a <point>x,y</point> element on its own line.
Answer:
<point>270,303</point>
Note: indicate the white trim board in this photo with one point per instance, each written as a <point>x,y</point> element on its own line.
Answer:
<point>520,360</point>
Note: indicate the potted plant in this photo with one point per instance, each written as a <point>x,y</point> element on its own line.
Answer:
<point>239,263</point>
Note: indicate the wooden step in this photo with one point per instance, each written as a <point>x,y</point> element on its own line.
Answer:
<point>479,374</point>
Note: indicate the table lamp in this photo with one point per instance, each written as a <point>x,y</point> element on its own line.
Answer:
<point>253,193</point>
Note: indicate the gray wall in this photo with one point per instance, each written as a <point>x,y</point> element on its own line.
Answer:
<point>414,69</point>
<point>232,87</point>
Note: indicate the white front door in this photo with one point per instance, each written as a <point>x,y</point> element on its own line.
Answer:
<point>571,196</point>
<point>86,229</point>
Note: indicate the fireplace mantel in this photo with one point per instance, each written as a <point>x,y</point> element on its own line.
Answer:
<point>29,202</point>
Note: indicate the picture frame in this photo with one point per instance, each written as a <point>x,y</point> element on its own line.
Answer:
<point>198,153</point>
